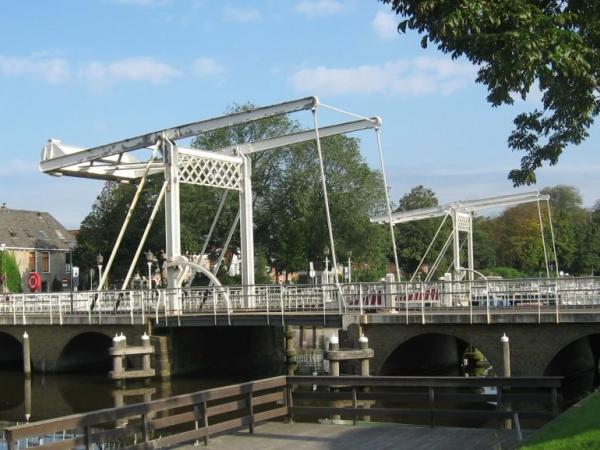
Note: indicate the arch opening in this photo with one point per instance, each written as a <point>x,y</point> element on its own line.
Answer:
<point>86,353</point>
<point>436,354</point>
<point>579,363</point>
<point>11,356</point>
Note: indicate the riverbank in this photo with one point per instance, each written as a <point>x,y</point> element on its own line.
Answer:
<point>576,429</point>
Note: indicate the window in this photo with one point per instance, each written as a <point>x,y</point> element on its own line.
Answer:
<point>46,262</point>
<point>32,264</point>
<point>68,262</point>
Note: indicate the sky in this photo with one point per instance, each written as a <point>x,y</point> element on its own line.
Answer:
<point>89,72</point>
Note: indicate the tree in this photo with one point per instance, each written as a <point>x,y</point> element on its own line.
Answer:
<point>10,275</point>
<point>413,238</point>
<point>517,44</point>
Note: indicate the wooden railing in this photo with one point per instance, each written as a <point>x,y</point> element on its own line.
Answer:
<point>430,398</point>
<point>162,423</point>
<point>191,417</point>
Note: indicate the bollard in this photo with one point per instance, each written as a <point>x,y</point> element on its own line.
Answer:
<point>26,356</point>
<point>334,371</point>
<point>27,395</point>
<point>146,356</point>
<point>505,355</point>
<point>506,373</point>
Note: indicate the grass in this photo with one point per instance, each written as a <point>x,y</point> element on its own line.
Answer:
<point>578,428</point>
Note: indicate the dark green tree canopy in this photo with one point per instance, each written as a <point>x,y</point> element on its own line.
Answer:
<point>518,44</point>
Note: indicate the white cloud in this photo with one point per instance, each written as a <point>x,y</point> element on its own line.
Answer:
<point>319,8</point>
<point>385,25</point>
<point>206,66</point>
<point>241,14</point>
<point>146,70</point>
<point>52,70</point>
<point>418,76</point>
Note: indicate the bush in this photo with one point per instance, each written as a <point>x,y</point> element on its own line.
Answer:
<point>504,272</point>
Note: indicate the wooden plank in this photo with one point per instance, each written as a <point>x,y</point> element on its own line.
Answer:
<point>127,374</point>
<point>344,355</point>
<point>455,382</point>
<point>133,350</point>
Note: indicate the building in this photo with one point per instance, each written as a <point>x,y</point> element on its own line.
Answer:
<point>40,244</point>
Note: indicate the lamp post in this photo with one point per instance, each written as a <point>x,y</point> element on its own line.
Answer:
<point>326,273</point>
<point>349,267</point>
<point>99,261</point>
<point>2,269</point>
<point>150,258</point>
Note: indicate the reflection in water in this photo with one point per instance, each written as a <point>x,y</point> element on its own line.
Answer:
<point>47,396</point>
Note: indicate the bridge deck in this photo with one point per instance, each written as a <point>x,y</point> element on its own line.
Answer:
<point>309,436</point>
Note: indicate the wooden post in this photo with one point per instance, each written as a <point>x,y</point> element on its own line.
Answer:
<point>290,352</point>
<point>365,372</point>
<point>334,370</point>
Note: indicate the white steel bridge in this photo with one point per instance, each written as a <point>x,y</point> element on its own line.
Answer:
<point>470,301</point>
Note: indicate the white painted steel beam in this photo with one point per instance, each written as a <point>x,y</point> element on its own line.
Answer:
<point>462,206</point>
<point>302,136</point>
<point>52,163</point>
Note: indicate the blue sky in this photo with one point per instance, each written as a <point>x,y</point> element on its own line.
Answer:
<point>93,71</point>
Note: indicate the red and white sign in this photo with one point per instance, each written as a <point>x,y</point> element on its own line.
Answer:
<point>34,281</point>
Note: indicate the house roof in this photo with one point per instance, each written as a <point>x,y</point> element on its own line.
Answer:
<point>33,229</point>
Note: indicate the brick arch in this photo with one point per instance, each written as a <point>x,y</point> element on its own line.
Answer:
<point>11,354</point>
<point>85,352</point>
<point>387,349</point>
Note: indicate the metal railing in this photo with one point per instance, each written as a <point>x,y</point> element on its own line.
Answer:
<point>475,298</point>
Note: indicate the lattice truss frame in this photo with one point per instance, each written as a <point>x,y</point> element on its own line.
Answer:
<point>463,222</point>
<point>202,170</point>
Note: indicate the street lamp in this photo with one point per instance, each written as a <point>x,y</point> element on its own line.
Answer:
<point>99,261</point>
<point>2,269</point>
<point>150,258</point>
<point>326,273</point>
<point>350,266</point>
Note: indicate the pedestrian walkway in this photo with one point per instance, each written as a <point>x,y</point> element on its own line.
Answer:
<point>309,436</point>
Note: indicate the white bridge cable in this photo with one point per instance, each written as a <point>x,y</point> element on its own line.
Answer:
<point>159,200</point>
<point>543,239</point>
<point>126,221</point>
<point>326,199</point>
<point>226,245</point>
<point>388,204</point>
<point>430,245</point>
<point>348,113</point>
<point>214,222</point>
<point>438,260</point>
<point>553,240</point>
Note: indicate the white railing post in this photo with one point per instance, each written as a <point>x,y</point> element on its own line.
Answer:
<point>268,298</point>
<point>422,304</point>
<point>214,296</point>
<point>23,309</point>
<point>281,304</point>
<point>60,316</point>
<point>487,300</point>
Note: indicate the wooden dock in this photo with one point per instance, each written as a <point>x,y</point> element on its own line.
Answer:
<point>309,436</point>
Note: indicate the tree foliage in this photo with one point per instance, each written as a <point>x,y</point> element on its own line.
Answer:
<point>518,44</point>
<point>289,216</point>
<point>509,244</point>
<point>10,275</point>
